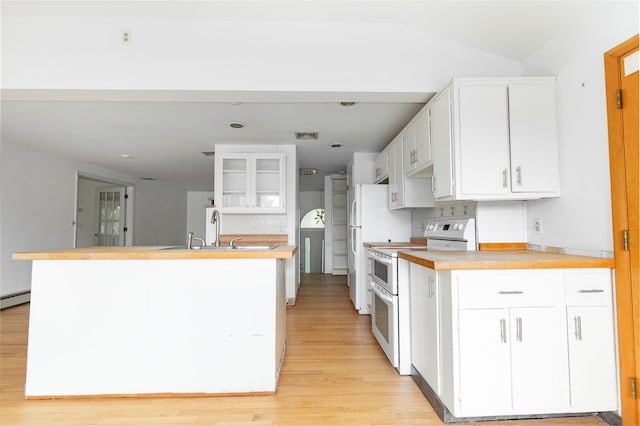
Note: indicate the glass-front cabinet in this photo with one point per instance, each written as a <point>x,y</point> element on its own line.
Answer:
<point>250,182</point>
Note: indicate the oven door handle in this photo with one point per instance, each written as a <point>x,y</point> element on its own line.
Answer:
<point>381,295</point>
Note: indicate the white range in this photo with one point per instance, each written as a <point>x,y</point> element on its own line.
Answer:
<point>389,286</point>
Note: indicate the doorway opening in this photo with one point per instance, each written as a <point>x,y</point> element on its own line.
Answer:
<point>312,241</point>
<point>103,213</point>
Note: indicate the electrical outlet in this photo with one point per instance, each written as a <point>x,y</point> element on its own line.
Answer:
<point>537,226</point>
<point>126,37</point>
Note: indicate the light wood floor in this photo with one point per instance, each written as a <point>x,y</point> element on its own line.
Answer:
<point>334,373</point>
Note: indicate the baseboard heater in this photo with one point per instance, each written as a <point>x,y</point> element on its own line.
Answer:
<point>15,299</point>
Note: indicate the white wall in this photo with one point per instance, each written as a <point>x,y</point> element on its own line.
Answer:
<point>38,192</point>
<point>181,54</point>
<point>197,201</point>
<point>362,167</point>
<point>581,218</point>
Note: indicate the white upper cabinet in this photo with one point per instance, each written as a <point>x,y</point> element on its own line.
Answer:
<point>250,182</point>
<point>396,176</point>
<point>533,133</point>
<point>441,144</point>
<point>417,144</point>
<point>381,167</point>
<point>406,192</point>
<point>504,138</point>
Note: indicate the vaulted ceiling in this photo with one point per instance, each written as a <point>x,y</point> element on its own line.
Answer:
<point>167,134</point>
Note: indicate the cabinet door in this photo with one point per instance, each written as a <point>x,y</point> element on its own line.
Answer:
<point>540,376</point>
<point>592,358</point>
<point>396,178</point>
<point>381,171</point>
<point>534,137</point>
<point>269,182</point>
<point>409,148</point>
<point>422,156</point>
<point>483,138</point>
<point>233,183</point>
<point>250,182</point>
<point>425,325</point>
<point>485,379</point>
<point>441,145</point>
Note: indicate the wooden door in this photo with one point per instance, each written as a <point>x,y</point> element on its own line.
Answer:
<point>621,79</point>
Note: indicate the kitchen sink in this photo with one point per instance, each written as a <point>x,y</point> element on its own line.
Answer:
<point>225,248</point>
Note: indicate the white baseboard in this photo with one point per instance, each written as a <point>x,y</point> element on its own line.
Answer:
<point>16,299</point>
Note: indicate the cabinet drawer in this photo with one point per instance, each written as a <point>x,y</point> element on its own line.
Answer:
<point>510,289</point>
<point>588,287</point>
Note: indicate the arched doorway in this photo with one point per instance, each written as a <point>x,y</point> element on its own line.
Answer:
<point>312,241</point>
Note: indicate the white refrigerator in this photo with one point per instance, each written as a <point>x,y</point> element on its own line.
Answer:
<point>370,220</point>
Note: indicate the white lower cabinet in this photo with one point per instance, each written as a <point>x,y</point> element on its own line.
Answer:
<point>591,340</point>
<point>425,347</point>
<point>515,342</point>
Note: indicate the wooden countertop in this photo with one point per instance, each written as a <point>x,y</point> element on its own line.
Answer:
<point>512,259</point>
<point>154,252</point>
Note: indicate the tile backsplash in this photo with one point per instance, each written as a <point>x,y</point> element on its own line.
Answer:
<point>254,224</point>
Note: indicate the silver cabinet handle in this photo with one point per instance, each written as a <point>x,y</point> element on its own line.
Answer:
<point>511,292</point>
<point>504,178</point>
<point>593,290</point>
<point>503,330</point>
<point>519,329</point>
<point>433,184</point>
<point>432,291</point>
<point>519,175</point>
<point>577,323</point>
<point>415,155</point>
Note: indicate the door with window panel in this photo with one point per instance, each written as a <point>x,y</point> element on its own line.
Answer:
<point>111,216</point>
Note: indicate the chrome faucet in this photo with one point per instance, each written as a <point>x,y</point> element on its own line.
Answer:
<point>215,219</point>
<point>190,239</point>
<point>232,243</point>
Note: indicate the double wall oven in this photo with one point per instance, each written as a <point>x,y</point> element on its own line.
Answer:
<point>389,286</point>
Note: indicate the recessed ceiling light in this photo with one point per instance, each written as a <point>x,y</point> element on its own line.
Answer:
<point>307,136</point>
<point>208,153</point>
<point>236,125</point>
<point>336,145</point>
<point>347,104</point>
<point>126,155</point>
<point>147,178</point>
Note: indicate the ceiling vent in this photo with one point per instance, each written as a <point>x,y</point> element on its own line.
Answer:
<point>307,136</point>
<point>147,178</point>
<point>307,172</point>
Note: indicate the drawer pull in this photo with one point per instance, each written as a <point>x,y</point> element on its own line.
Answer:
<point>577,323</point>
<point>503,330</point>
<point>519,329</point>
<point>510,292</point>
<point>594,290</point>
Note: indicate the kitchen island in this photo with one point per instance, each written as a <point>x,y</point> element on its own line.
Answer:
<point>147,321</point>
<point>512,334</point>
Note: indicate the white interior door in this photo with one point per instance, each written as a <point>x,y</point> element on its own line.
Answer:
<point>111,216</point>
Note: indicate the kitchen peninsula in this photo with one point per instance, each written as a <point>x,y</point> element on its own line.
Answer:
<point>146,321</point>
